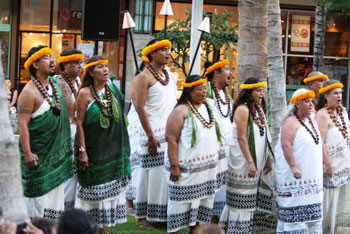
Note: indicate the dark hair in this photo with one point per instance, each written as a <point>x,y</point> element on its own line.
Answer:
<point>45,225</point>
<point>245,97</point>
<point>32,51</point>
<point>143,64</point>
<point>185,96</point>
<point>321,102</point>
<point>68,52</point>
<point>76,221</point>
<point>88,79</point>
<point>210,75</point>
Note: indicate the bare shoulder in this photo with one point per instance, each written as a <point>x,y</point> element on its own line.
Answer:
<point>28,92</point>
<point>291,123</point>
<point>321,114</point>
<point>242,111</point>
<point>181,110</point>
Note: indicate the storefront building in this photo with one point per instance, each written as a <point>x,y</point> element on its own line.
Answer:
<point>55,23</point>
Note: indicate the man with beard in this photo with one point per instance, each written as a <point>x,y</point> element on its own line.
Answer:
<point>70,65</point>
<point>153,94</point>
<point>46,146</point>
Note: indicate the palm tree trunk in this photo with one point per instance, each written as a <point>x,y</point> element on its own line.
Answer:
<point>252,51</point>
<point>320,28</point>
<point>277,81</point>
<point>12,201</point>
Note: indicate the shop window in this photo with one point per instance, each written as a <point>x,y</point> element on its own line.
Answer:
<point>5,11</point>
<point>4,46</point>
<point>143,16</point>
<point>337,36</point>
<point>35,15</point>
<point>297,69</point>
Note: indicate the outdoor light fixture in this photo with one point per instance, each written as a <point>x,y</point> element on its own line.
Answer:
<point>166,10</point>
<point>129,23</point>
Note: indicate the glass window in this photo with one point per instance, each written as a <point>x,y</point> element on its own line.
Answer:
<point>337,36</point>
<point>35,15</point>
<point>4,46</point>
<point>143,16</point>
<point>5,11</point>
<point>297,69</point>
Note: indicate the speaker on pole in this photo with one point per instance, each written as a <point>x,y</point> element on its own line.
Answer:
<point>101,20</point>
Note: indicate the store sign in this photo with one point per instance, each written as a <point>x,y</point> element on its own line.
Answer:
<point>67,42</point>
<point>300,41</point>
<point>69,14</point>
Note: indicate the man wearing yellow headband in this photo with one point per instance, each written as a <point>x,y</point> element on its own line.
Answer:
<point>153,94</point>
<point>70,65</point>
<point>315,81</point>
<point>45,141</point>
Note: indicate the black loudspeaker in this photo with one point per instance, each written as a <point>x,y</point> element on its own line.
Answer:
<point>101,20</point>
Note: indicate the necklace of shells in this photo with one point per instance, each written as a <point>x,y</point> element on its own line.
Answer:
<point>341,127</point>
<point>259,119</point>
<point>206,124</point>
<point>55,106</point>
<point>156,75</point>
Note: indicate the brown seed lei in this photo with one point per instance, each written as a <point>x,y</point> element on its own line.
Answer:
<point>216,91</point>
<point>71,86</point>
<point>200,117</point>
<point>54,106</point>
<point>342,127</point>
<point>103,104</point>
<point>260,120</point>
<point>155,74</point>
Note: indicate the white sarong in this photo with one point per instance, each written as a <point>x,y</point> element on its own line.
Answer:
<point>336,199</point>
<point>191,198</point>
<point>152,181</point>
<point>299,201</point>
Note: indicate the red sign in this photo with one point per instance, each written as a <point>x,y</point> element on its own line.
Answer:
<point>69,14</point>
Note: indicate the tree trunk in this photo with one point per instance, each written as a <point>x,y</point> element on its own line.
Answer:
<point>320,28</point>
<point>252,51</point>
<point>277,81</point>
<point>12,202</point>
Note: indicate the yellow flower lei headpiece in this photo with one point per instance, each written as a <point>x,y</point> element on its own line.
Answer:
<point>329,87</point>
<point>154,47</point>
<point>94,63</point>
<point>302,96</point>
<point>197,82</point>
<point>69,58</point>
<point>218,65</point>
<point>312,78</point>
<point>40,53</point>
<point>253,86</point>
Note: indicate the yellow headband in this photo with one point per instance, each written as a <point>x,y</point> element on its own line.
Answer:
<point>253,86</point>
<point>94,63</point>
<point>37,55</point>
<point>302,96</point>
<point>312,78</point>
<point>198,82</point>
<point>147,50</point>
<point>329,87</point>
<point>217,65</point>
<point>69,58</point>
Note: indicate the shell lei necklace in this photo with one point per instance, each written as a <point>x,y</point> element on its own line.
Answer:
<point>219,100</point>
<point>56,109</point>
<point>341,127</point>
<point>71,86</point>
<point>206,124</point>
<point>108,107</point>
<point>315,137</point>
<point>260,120</point>
<point>156,75</point>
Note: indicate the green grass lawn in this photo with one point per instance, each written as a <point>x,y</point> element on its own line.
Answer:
<point>131,227</point>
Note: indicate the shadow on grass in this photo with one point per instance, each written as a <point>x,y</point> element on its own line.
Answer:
<point>130,227</point>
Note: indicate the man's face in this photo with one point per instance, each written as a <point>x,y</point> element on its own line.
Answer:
<point>161,56</point>
<point>43,64</point>
<point>225,75</point>
<point>316,85</point>
<point>73,69</point>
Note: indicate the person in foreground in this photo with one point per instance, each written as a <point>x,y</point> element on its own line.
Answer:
<point>298,168</point>
<point>194,143</point>
<point>102,146</point>
<point>45,142</point>
<point>333,122</point>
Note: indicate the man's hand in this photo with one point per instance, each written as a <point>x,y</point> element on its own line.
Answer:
<point>174,173</point>
<point>31,159</point>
